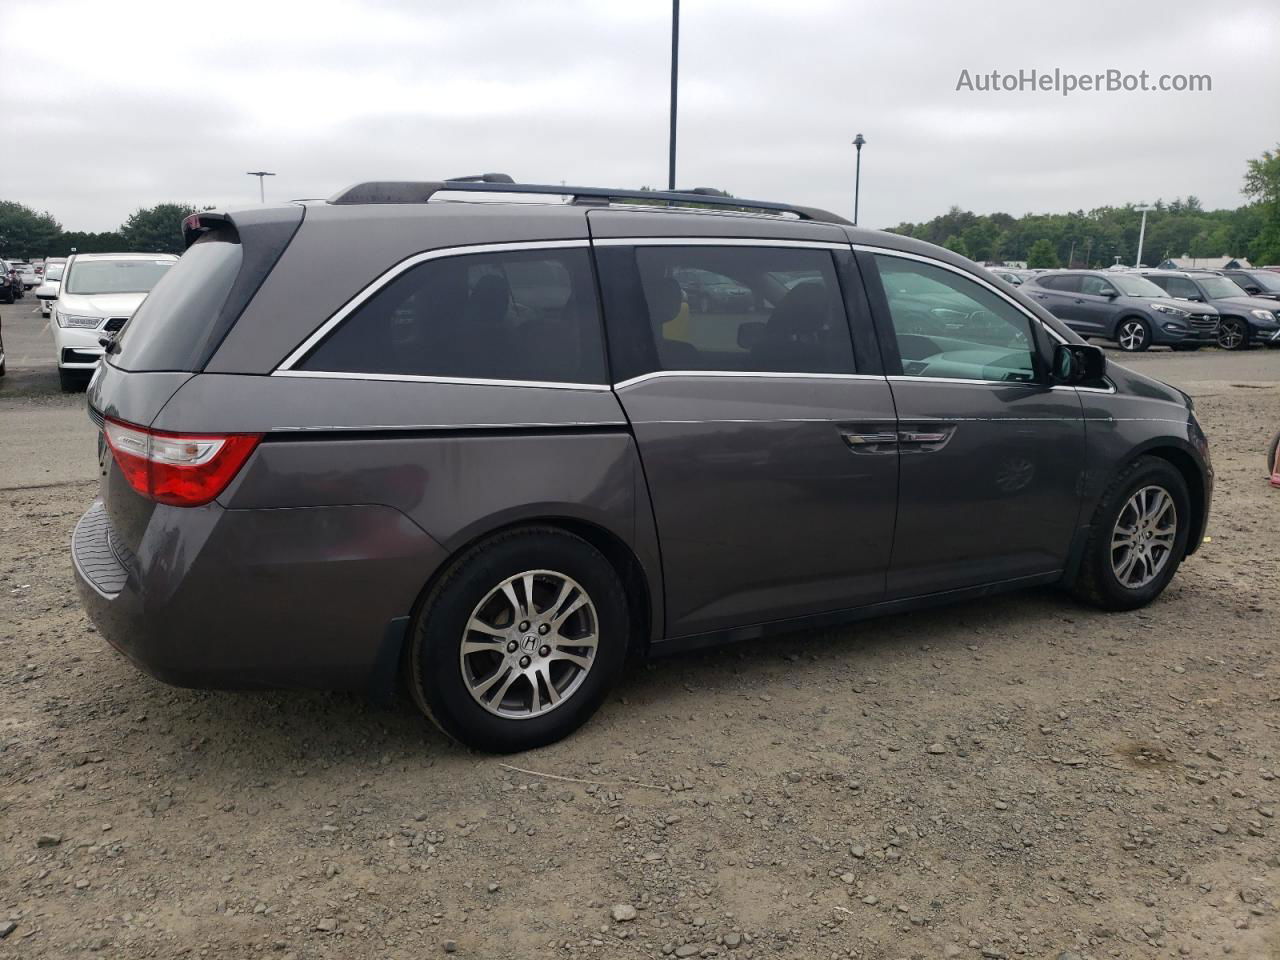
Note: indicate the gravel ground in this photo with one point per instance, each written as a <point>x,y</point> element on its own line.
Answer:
<point>1017,776</point>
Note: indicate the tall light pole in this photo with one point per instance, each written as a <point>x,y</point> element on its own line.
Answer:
<point>1142,231</point>
<point>675,71</point>
<point>260,174</point>
<point>858,142</point>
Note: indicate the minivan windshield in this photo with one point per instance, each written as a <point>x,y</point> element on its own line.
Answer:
<point>1132,286</point>
<point>116,276</point>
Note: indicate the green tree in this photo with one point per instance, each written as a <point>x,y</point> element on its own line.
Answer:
<point>157,229</point>
<point>1262,185</point>
<point>1042,255</point>
<point>108,241</point>
<point>956,245</point>
<point>24,233</point>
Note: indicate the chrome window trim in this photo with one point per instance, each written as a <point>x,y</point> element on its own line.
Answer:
<point>409,262</point>
<point>716,242</point>
<point>744,375</point>
<point>446,427</point>
<point>415,378</point>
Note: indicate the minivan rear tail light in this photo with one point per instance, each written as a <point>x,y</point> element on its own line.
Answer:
<point>183,470</point>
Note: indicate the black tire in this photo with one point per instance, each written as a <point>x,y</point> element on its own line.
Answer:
<point>1233,333</point>
<point>72,381</point>
<point>435,675</point>
<point>1271,454</point>
<point>1138,325</point>
<point>1097,582</point>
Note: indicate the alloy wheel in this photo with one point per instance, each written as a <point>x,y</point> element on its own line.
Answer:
<point>529,644</point>
<point>1231,334</point>
<point>1143,537</point>
<point>1132,335</point>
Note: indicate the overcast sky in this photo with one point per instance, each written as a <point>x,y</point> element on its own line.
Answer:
<point>117,105</point>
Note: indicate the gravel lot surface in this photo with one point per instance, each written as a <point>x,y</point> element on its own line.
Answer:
<point>1017,776</point>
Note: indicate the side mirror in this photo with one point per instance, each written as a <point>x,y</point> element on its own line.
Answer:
<point>1075,363</point>
<point>1252,290</point>
<point>1111,294</point>
<point>46,296</point>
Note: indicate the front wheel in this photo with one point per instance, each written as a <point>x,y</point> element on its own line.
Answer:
<point>1233,334</point>
<point>1138,536</point>
<point>1133,335</point>
<point>520,640</point>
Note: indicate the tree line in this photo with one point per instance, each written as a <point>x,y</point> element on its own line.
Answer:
<point>1095,238</point>
<point>26,234</point>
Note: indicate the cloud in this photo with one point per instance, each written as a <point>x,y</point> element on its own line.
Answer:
<point>129,104</point>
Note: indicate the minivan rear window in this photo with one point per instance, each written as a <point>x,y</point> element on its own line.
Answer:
<point>507,315</point>
<point>168,330</point>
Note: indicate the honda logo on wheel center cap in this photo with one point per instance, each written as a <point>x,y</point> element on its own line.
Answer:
<point>530,642</point>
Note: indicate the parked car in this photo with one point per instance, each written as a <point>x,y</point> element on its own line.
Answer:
<point>27,273</point>
<point>313,479</point>
<point>10,284</point>
<point>2,360</point>
<point>47,292</point>
<point>1008,276</point>
<point>1245,320</point>
<point>1123,307</point>
<point>99,292</point>
<point>706,292</point>
<point>1256,283</point>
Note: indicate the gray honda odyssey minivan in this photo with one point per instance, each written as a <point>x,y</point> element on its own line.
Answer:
<point>493,448</point>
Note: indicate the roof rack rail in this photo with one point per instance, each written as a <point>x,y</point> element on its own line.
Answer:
<point>408,191</point>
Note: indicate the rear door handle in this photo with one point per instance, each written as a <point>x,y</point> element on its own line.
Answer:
<point>878,441</point>
<point>925,438</point>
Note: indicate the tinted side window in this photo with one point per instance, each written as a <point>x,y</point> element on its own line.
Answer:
<point>1095,286</point>
<point>949,326</point>
<point>516,315</point>
<point>749,309</point>
<point>1180,288</point>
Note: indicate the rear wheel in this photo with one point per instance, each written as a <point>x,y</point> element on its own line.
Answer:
<point>1138,536</point>
<point>520,640</point>
<point>1133,335</point>
<point>1233,334</point>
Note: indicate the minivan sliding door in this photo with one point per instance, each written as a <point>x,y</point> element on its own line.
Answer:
<point>768,449</point>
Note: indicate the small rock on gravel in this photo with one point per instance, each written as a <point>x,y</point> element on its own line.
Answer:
<point>936,748</point>
<point>6,928</point>
<point>622,912</point>
<point>450,946</point>
<point>48,840</point>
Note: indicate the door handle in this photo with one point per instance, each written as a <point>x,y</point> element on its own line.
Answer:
<point>1078,300</point>
<point>925,438</point>
<point>879,441</point>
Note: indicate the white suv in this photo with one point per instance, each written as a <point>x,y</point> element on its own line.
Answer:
<point>99,292</point>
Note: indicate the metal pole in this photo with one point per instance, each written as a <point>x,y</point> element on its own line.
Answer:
<point>675,70</point>
<point>858,141</point>
<point>260,174</point>
<point>1142,232</point>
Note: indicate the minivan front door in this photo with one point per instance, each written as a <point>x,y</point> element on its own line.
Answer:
<point>992,458</point>
<point>769,453</point>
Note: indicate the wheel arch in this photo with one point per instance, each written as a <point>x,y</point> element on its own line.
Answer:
<point>1186,464</point>
<point>635,580</point>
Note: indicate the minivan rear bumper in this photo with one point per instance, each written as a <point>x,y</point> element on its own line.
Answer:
<point>232,599</point>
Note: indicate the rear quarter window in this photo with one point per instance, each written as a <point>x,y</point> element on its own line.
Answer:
<point>169,329</point>
<point>508,315</point>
